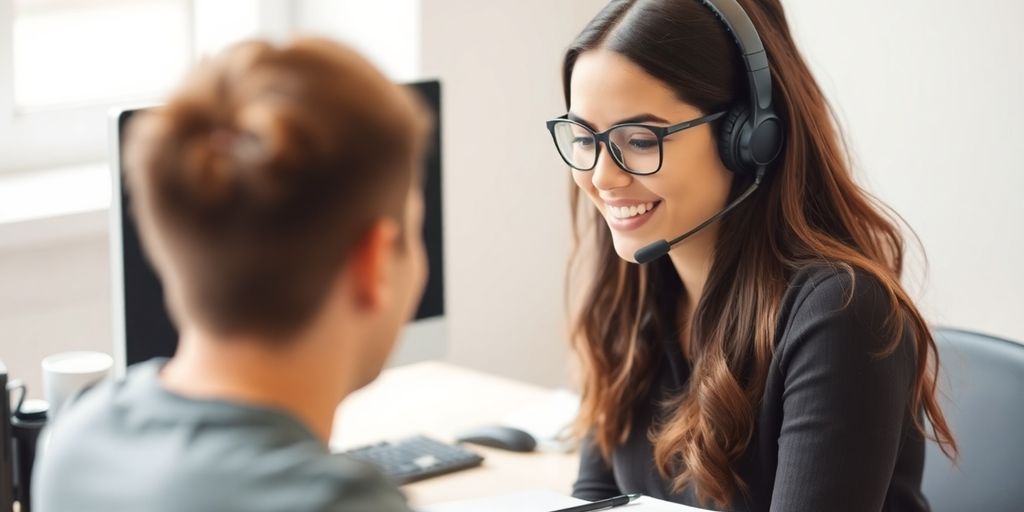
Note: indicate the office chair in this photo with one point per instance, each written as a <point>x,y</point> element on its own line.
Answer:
<point>981,387</point>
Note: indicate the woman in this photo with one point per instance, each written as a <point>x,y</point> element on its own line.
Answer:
<point>772,361</point>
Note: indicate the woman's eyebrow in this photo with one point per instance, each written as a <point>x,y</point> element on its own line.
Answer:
<point>640,118</point>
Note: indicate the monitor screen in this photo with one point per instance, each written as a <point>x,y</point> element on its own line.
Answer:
<point>142,324</point>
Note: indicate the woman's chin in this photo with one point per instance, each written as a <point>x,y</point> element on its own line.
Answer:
<point>626,249</point>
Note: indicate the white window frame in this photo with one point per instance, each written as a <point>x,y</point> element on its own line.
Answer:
<point>47,138</point>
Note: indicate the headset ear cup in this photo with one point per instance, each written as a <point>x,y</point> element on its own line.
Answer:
<point>729,139</point>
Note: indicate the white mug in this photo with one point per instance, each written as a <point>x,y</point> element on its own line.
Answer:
<point>67,373</point>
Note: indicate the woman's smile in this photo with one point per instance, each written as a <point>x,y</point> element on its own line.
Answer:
<point>626,215</point>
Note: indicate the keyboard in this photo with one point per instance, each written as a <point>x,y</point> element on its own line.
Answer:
<point>416,458</point>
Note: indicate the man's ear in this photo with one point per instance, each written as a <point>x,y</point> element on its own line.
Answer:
<point>371,266</point>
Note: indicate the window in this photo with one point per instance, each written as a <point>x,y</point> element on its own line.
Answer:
<point>66,63</point>
<point>68,53</point>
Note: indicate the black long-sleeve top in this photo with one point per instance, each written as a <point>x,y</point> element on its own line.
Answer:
<point>833,431</point>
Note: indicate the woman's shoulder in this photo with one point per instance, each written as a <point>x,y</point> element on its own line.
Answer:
<point>829,301</point>
<point>832,283</point>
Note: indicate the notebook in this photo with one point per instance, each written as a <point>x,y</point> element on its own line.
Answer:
<point>547,501</point>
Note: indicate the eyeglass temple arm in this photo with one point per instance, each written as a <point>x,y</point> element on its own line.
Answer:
<point>696,122</point>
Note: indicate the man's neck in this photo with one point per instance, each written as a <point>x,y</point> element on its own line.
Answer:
<point>257,372</point>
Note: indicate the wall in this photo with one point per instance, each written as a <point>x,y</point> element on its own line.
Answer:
<point>54,297</point>
<point>386,31</point>
<point>506,191</point>
<point>931,102</point>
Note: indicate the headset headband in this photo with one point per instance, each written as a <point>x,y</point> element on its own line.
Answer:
<point>752,50</point>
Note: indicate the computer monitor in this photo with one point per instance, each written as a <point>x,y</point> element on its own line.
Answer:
<point>142,325</point>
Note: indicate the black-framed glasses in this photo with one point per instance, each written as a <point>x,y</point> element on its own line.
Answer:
<point>636,148</point>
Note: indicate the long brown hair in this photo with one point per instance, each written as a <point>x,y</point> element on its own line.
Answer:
<point>810,211</point>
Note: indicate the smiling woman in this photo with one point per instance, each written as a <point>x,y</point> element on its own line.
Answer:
<point>613,93</point>
<point>735,372</point>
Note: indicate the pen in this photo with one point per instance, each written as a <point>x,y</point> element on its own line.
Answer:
<point>617,501</point>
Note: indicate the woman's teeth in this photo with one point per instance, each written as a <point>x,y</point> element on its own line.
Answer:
<point>625,212</point>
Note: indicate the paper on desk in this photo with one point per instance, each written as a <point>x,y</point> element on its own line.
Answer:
<point>649,504</point>
<point>547,501</point>
<point>527,501</point>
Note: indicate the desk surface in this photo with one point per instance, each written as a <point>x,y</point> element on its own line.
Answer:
<point>440,400</point>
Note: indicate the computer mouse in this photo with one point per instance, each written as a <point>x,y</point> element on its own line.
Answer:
<point>505,438</point>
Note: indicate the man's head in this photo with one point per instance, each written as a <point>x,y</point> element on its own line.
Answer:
<point>278,192</point>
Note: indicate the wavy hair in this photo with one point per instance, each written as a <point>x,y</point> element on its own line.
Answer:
<point>810,211</point>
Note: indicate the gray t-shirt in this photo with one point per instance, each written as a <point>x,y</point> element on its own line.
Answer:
<point>134,446</point>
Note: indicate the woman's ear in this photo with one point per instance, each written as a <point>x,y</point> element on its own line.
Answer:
<point>371,268</point>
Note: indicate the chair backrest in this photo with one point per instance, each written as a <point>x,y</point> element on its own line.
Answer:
<point>982,395</point>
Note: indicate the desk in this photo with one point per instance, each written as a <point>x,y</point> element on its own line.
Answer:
<point>440,400</point>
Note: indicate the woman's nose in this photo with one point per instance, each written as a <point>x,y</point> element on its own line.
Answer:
<point>607,173</point>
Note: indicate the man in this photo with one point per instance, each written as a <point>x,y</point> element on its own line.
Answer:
<point>278,197</point>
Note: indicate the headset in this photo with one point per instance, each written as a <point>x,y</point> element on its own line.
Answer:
<point>750,137</point>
